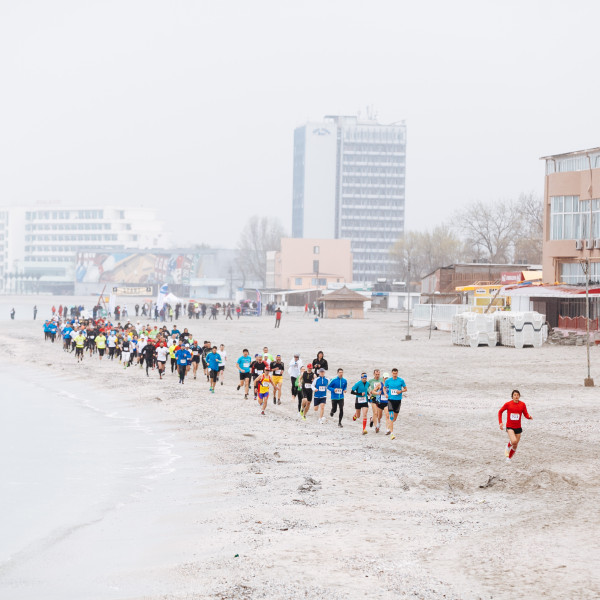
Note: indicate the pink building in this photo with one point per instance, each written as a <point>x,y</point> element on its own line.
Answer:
<point>308,263</point>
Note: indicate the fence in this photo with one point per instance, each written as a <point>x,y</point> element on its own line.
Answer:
<point>577,323</point>
<point>442,315</point>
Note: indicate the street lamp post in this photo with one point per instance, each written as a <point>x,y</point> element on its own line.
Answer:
<point>586,265</point>
<point>407,336</point>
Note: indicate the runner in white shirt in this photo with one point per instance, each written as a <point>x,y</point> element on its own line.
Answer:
<point>162,353</point>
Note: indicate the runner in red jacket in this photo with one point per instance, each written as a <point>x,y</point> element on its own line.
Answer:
<point>514,410</point>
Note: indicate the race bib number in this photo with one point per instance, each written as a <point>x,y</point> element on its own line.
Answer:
<point>338,390</point>
<point>307,386</point>
<point>322,388</point>
<point>245,365</point>
<point>277,372</point>
<point>394,392</point>
<point>514,416</point>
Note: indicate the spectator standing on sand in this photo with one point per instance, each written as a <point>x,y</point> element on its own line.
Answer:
<point>34,312</point>
<point>277,318</point>
<point>12,314</point>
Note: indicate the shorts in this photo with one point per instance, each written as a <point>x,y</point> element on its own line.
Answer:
<point>318,401</point>
<point>394,405</point>
<point>358,405</point>
<point>204,365</point>
<point>277,379</point>
<point>195,359</point>
<point>78,350</point>
<point>382,405</point>
<point>222,368</point>
<point>263,396</point>
<point>101,351</point>
<point>517,430</point>
<point>161,362</point>
<point>306,393</point>
<point>244,376</point>
<point>213,374</point>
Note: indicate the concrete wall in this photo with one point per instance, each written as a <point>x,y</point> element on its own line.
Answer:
<point>295,261</point>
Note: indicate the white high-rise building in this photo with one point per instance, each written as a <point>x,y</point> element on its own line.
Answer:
<point>349,182</point>
<point>40,243</point>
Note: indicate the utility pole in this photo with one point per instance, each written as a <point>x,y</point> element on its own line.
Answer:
<point>587,267</point>
<point>407,337</point>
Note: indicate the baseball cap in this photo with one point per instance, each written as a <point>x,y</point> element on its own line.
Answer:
<point>309,366</point>
<point>278,356</point>
<point>386,375</point>
<point>297,354</point>
<point>321,370</point>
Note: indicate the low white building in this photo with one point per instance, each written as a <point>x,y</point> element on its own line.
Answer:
<point>40,244</point>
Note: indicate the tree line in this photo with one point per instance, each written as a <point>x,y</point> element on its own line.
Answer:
<point>505,231</point>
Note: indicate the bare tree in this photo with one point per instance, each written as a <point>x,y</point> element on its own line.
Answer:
<point>491,230</point>
<point>259,235</point>
<point>528,247</point>
<point>426,251</point>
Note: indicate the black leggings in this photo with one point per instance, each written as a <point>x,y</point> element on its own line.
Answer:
<point>149,363</point>
<point>334,407</point>
<point>182,370</point>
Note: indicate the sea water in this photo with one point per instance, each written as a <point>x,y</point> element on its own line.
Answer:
<point>87,484</point>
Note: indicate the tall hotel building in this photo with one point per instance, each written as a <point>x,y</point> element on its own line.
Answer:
<point>349,183</point>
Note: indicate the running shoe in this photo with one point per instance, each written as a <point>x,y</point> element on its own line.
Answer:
<point>371,422</point>
<point>245,396</point>
<point>221,383</point>
<point>262,412</point>
<point>392,437</point>
<point>365,432</point>
<point>278,402</point>
<point>388,432</point>
<point>331,413</point>
<point>340,425</point>
<point>354,417</point>
<point>507,459</point>
<point>506,451</point>
<point>238,388</point>
<point>377,429</point>
<point>303,417</point>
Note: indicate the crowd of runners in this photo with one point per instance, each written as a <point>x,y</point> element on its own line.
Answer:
<point>377,397</point>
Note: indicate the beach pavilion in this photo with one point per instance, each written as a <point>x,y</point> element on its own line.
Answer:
<point>344,304</point>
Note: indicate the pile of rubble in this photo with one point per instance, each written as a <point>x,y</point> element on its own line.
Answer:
<point>560,337</point>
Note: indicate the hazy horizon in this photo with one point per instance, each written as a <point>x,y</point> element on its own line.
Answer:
<point>191,107</point>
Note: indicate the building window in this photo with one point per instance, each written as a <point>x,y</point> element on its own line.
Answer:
<point>320,281</point>
<point>569,218</point>
<point>573,273</point>
<point>298,281</point>
<point>315,266</point>
<point>316,250</point>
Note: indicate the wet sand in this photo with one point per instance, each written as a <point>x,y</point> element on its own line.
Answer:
<point>313,511</point>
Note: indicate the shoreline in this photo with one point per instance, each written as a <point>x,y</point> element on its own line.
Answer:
<point>313,510</point>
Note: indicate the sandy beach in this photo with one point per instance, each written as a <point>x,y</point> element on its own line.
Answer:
<point>291,509</point>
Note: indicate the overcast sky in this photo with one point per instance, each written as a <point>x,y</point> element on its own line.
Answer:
<point>191,105</point>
